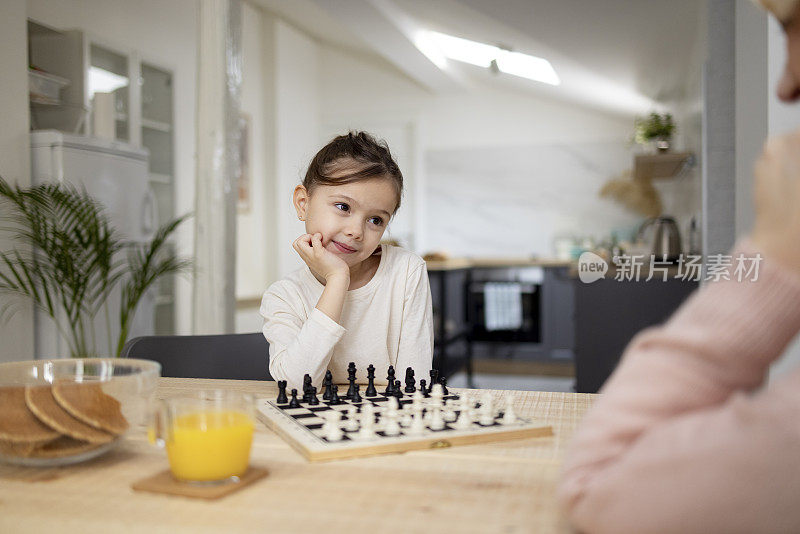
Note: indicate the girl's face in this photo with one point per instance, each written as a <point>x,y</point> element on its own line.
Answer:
<point>351,217</point>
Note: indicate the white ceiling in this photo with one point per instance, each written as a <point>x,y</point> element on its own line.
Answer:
<point>623,56</point>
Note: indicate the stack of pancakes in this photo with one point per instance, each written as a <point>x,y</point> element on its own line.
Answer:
<point>64,419</point>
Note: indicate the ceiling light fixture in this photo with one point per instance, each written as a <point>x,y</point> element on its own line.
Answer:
<point>438,46</point>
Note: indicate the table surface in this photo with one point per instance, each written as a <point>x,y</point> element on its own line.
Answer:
<point>498,487</point>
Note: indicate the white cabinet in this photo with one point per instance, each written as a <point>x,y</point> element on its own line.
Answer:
<point>140,112</point>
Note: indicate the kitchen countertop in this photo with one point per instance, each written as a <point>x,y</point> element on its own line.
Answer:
<point>452,264</point>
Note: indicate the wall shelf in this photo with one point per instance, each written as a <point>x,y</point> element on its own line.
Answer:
<point>659,166</point>
<point>156,125</point>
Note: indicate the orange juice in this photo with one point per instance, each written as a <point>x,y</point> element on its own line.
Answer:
<point>210,445</point>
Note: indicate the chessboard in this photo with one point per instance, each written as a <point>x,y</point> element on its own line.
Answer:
<point>388,422</point>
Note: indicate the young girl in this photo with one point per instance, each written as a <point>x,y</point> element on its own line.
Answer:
<point>355,300</point>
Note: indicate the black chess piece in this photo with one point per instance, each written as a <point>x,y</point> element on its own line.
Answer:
<point>398,390</point>
<point>356,394</point>
<point>443,382</point>
<point>282,398</point>
<point>312,396</point>
<point>351,377</point>
<point>434,379</point>
<point>335,395</point>
<point>423,388</point>
<point>371,391</point>
<point>410,382</point>
<point>294,403</point>
<point>306,386</point>
<point>327,382</point>
<point>390,379</point>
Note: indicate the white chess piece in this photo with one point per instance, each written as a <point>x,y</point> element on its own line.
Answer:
<point>367,422</point>
<point>509,417</point>
<point>352,421</point>
<point>418,423</point>
<point>486,410</point>
<point>436,422</point>
<point>449,413</point>
<point>394,405</point>
<point>464,420</point>
<point>417,399</point>
<point>331,427</point>
<point>437,393</point>
<point>391,428</point>
<point>406,420</point>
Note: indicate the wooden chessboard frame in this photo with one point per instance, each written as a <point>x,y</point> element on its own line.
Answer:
<point>314,448</point>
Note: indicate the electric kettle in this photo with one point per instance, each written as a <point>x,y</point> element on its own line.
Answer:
<point>666,238</point>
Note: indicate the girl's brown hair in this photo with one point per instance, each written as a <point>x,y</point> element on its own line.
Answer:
<point>350,158</point>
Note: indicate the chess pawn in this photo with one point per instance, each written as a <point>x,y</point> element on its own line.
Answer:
<point>486,410</point>
<point>509,417</point>
<point>449,414</point>
<point>312,396</point>
<point>352,422</point>
<point>422,387</point>
<point>335,395</point>
<point>464,420</point>
<point>367,422</point>
<point>437,394</point>
<point>333,431</point>
<point>417,423</point>
<point>294,403</point>
<point>437,422</point>
<point>392,428</point>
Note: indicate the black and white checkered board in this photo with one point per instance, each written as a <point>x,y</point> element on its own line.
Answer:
<point>302,428</point>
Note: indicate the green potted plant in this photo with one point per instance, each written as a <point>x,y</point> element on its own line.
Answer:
<point>656,128</point>
<point>69,259</point>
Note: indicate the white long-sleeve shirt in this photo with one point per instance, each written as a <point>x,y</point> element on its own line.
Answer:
<point>388,321</point>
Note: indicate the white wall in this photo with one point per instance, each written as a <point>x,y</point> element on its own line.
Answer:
<point>253,270</point>
<point>296,132</point>
<point>17,334</point>
<point>484,122</point>
<point>165,33</point>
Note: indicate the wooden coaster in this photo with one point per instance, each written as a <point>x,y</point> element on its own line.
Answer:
<point>164,482</point>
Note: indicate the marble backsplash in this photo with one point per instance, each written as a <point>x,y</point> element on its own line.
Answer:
<point>516,201</point>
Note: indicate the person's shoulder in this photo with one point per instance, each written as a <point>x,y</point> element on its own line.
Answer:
<point>403,258</point>
<point>287,288</point>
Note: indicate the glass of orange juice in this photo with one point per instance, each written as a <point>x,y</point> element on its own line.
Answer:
<point>207,436</point>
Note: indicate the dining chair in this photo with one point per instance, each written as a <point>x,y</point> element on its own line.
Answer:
<point>225,356</point>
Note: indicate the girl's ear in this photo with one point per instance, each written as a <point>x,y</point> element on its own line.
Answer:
<point>300,201</point>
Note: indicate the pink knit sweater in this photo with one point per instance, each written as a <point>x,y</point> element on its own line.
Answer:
<point>682,439</point>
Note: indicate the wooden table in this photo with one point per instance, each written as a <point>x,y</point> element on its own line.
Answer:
<point>501,487</point>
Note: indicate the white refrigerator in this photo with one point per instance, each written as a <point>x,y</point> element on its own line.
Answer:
<point>116,174</point>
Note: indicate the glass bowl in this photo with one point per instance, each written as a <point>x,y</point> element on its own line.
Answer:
<point>74,409</point>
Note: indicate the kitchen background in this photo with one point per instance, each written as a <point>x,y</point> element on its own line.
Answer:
<point>496,166</point>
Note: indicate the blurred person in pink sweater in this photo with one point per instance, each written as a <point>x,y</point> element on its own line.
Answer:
<point>684,438</point>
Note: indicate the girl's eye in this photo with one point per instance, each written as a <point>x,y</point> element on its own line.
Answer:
<point>377,221</point>
<point>342,206</point>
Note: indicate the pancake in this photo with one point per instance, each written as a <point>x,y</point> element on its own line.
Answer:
<point>9,448</point>
<point>88,402</point>
<point>17,422</point>
<point>63,446</point>
<point>41,402</point>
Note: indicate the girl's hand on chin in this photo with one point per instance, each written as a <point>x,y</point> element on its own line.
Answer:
<point>321,261</point>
